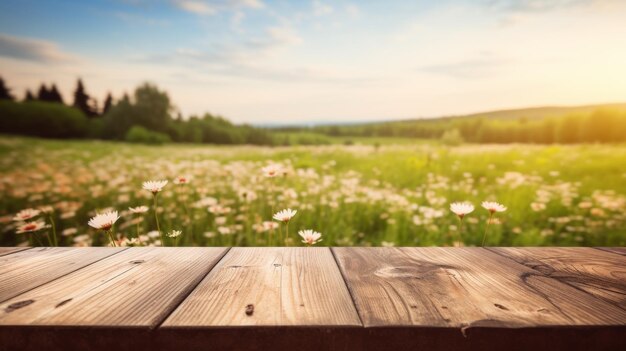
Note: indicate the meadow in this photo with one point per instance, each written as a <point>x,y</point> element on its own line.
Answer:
<point>366,194</point>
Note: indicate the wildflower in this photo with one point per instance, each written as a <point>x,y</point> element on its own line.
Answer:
<point>138,209</point>
<point>46,209</point>
<point>26,214</point>
<point>537,206</point>
<point>285,215</point>
<point>174,233</point>
<point>493,207</point>
<point>461,208</point>
<point>310,237</point>
<point>181,180</point>
<point>154,186</point>
<point>31,227</point>
<point>104,221</point>
<point>272,171</point>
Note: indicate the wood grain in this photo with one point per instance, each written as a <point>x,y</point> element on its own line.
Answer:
<point>594,271</point>
<point>10,250</point>
<point>137,287</point>
<point>269,287</point>
<point>617,250</point>
<point>24,270</point>
<point>462,288</point>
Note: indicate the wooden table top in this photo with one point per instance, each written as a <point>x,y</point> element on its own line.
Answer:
<point>312,298</point>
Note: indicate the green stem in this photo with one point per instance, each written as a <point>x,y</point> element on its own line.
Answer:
<point>38,239</point>
<point>487,227</point>
<point>156,217</point>
<point>110,232</point>
<point>286,234</point>
<point>54,231</point>
<point>460,229</point>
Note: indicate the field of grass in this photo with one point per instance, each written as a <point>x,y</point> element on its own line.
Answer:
<point>362,194</point>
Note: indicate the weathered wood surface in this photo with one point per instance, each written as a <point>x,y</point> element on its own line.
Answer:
<point>136,287</point>
<point>585,268</point>
<point>9,250</point>
<point>23,270</point>
<point>462,288</point>
<point>617,250</point>
<point>312,298</point>
<point>270,287</point>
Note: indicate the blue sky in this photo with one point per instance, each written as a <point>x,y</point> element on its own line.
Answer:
<point>286,61</point>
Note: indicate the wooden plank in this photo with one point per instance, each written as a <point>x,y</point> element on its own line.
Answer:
<point>599,273</point>
<point>462,288</point>
<point>137,287</point>
<point>24,270</point>
<point>617,250</point>
<point>10,250</point>
<point>270,287</point>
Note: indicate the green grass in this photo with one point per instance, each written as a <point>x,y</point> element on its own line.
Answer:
<point>376,192</point>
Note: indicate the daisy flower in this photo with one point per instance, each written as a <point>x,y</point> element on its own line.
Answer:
<point>272,171</point>
<point>104,221</point>
<point>493,207</point>
<point>31,227</point>
<point>180,180</point>
<point>26,214</point>
<point>174,233</point>
<point>285,215</point>
<point>154,186</point>
<point>310,237</point>
<point>138,209</point>
<point>461,208</point>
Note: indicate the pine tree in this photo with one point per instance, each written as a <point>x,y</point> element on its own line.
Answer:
<point>43,94</point>
<point>108,103</point>
<point>55,96</point>
<point>5,92</point>
<point>81,100</point>
<point>29,96</point>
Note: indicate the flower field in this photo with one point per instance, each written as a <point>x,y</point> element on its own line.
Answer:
<point>353,195</point>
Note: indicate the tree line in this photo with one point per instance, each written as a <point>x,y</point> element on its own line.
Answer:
<point>147,116</point>
<point>603,125</point>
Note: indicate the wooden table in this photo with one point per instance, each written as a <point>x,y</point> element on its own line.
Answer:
<point>312,298</point>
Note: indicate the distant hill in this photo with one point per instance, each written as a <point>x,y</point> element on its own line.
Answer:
<point>542,112</point>
<point>544,125</point>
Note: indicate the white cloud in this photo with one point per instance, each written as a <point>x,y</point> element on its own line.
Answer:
<point>208,8</point>
<point>33,50</point>
<point>321,9</point>
<point>196,7</point>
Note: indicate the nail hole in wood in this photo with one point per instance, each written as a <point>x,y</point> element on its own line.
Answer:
<point>62,303</point>
<point>249,309</point>
<point>137,261</point>
<point>17,305</point>
<point>500,306</point>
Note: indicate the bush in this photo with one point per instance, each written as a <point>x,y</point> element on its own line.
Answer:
<point>42,119</point>
<point>138,134</point>
<point>452,137</point>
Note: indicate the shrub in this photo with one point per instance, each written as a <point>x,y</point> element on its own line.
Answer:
<point>452,137</point>
<point>42,119</point>
<point>138,134</point>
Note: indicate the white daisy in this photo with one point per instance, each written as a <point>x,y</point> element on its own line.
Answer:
<point>493,206</point>
<point>31,227</point>
<point>138,209</point>
<point>26,214</point>
<point>174,233</point>
<point>461,208</point>
<point>310,237</point>
<point>154,186</point>
<point>104,221</point>
<point>285,215</point>
<point>180,180</point>
<point>272,171</point>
